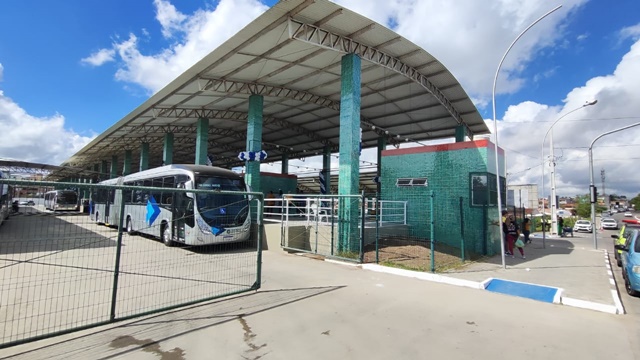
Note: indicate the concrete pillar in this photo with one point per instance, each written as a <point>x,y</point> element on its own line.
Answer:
<point>167,152</point>
<point>254,141</point>
<point>461,133</point>
<point>104,170</point>
<point>348,183</point>
<point>144,156</point>
<point>202,139</point>
<point>126,167</point>
<point>326,169</point>
<point>285,164</point>
<point>382,145</point>
<point>114,167</point>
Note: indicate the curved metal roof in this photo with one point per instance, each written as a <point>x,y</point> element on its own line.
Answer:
<point>291,55</point>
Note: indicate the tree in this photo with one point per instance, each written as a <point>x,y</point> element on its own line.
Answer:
<point>635,201</point>
<point>583,206</point>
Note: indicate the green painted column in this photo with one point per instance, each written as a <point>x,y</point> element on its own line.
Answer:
<point>144,156</point>
<point>254,140</point>
<point>104,170</point>
<point>461,133</point>
<point>114,167</point>
<point>285,164</point>
<point>202,139</point>
<point>326,169</point>
<point>382,145</point>
<point>167,152</point>
<point>126,167</point>
<point>349,180</point>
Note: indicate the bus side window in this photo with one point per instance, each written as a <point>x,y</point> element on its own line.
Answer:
<point>168,182</point>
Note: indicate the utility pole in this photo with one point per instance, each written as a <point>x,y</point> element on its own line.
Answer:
<point>604,194</point>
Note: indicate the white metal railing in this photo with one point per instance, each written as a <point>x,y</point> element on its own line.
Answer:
<point>323,209</point>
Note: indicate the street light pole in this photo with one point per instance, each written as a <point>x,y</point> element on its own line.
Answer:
<point>552,205</point>
<point>591,192</point>
<point>495,129</point>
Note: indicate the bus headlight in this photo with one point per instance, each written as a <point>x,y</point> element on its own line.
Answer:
<point>636,269</point>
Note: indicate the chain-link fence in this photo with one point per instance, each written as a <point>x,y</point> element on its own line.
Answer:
<point>77,255</point>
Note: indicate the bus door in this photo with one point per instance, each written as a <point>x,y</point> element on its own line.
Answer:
<point>179,211</point>
<point>111,194</point>
<point>113,205</point>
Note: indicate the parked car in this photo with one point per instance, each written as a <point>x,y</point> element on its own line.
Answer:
<point>631,262</point>
<point>620,238</point>
<point>609,223</point>
<point>583,225</point>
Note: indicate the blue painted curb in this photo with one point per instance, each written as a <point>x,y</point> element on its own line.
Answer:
<point>529,291</point>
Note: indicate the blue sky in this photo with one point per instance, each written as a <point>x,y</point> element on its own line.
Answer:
<point>52,81</point>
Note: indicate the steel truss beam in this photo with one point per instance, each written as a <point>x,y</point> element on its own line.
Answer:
<point>239,116</point>
<point>326,39</point>
<point>253,88</point>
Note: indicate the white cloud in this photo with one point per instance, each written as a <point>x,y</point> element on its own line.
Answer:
<point>36,139</point>
<point>99,57</point>
<point>631,32</point>
<point>197,35</point>
<point>170,19</point>
<point>455,31</point>
<point>525,125</point>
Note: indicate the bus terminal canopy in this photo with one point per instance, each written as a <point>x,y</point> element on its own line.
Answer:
<point>291,55</point>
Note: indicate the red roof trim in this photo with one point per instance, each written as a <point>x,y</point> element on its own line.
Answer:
<point>443,147</point>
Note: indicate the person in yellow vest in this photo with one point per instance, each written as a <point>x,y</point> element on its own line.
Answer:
<point>526,230</point>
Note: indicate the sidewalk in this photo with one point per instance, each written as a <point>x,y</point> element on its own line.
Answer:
<point>581,273</point>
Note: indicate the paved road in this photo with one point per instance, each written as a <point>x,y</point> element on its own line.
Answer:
<point>309,309</point>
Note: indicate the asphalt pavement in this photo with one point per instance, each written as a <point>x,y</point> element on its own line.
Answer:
<point>310,309</point>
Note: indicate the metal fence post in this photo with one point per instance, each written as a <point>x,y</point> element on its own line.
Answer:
<point>432,235</point>
<point>362,223</point>
<point>116,273</point>
<point>461,230</point>
<point>377,225</point>
<point>260,222</point>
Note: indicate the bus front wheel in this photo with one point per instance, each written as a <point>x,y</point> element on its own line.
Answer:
<point>165,234</point>
<point>129,226</point>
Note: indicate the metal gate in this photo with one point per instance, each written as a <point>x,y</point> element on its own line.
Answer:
<point>330,226</point>
<point>68,270</point>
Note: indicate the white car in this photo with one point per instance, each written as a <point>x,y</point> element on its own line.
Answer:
<point>628,214</point>
<point>609,223</point>
<point>583,225</point>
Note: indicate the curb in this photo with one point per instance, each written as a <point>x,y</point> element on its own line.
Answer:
<point>619,308</point>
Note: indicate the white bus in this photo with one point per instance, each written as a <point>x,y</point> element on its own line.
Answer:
<point>61,200</point>
<point>178,216</point>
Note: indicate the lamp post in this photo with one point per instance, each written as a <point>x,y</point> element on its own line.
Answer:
<point>552,202</point>
<point>495,129</point>
<point>592,193</point>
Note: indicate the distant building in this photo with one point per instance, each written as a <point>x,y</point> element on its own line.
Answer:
<point>525,196</point>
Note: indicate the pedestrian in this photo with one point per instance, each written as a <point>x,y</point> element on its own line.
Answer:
<point>505,219</point>
<point>526,230</point>
<point>513,235</point>
<point>560,226</point>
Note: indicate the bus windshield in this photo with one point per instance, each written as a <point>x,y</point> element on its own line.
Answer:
<point>222,210</point>
<point>67,198</point>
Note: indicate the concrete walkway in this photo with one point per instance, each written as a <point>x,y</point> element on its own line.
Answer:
<point>310,309</point>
